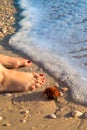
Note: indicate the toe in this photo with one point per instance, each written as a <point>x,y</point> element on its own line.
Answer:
<point>38,85</point>
<point>33,87</point>
<point>27,63</point>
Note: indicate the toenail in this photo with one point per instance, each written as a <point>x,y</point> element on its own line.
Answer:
<point>42,80</point>
<point>28,61</point>
<point>41,74</point>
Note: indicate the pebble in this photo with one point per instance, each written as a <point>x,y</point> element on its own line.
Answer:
<point>64,89</point>
<point>1,118</point>
<point>23,120</point>
<point>61,94</point>
<point>24,112</point>
<point>6,124</point>
<point>52,116</point>
<point>76,113</point>
<point>8,94</point>
<point>56,84</point>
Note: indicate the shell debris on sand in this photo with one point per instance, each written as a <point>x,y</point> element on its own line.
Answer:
<point>8,94</point>
<point>61,94</point>
<point>6,124</point>
<point>56,84</point>
<point>26,114</point>
<point>24,111</point>
<point>23,120</point>
<point>64,89</point>
<point>76,113</point>
<point>52,116</point>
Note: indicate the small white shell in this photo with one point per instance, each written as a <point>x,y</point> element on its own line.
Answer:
<point>61,94</point>
<point>23,120</point>
<point>24,112</point>
<point>52,116</point>
<point>76,113</point>
<point>8,94</point>
<point>1,118</point>
<point>6,124</point>
<point>64,89</point>
<point>56,84</point>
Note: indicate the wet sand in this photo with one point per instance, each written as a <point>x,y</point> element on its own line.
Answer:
<point>36,107</point>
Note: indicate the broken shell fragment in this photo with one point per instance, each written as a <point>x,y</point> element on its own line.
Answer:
<point>23,120</point>
<point>61,94</point>
<point>64,89</point>
<point>8,94</point>
<point>56,84</point>
<point>6,124</point>
<point>76,113</point>
<point>52,116</point>
<point>24,112</point>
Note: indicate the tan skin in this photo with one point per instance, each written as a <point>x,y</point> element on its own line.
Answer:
<point>16,81</point>
<point>13,62</point>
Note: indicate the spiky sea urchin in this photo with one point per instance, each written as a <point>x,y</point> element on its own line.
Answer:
<point>51,92</point>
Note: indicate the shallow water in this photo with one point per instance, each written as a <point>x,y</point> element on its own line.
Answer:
<point>54,33</point>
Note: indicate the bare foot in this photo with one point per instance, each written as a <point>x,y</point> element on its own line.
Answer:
<point>13,62</point>
<point>16,81</point>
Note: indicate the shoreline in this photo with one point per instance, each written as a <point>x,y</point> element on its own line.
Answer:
<point>63,70</point>
<point>38,107</point>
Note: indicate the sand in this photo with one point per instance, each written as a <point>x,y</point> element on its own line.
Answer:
<point>36,107</point>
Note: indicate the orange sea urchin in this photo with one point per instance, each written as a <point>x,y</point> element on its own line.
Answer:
<point>51,92</point>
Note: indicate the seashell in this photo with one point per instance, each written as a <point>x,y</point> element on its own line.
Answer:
<point>64,89</point>
<point>56,84</point>
<point>61,94</point>
<point>6,124</point>
<point>1,118</point>
<point>52,116</point>
<point>8,94</point>
<point>76,113</point>
<point>23,120</point>
<point>24,112</point>
<point>85,114</point>
<point>51,92</point>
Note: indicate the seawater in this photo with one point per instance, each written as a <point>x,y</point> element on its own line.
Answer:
<point>54,33</point>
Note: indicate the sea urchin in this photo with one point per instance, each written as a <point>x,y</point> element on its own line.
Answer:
<point>51,92</point>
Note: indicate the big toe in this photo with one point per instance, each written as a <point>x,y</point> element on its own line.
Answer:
<point>27,63</point>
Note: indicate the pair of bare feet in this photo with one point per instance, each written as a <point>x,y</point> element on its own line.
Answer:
<point>16,81</point>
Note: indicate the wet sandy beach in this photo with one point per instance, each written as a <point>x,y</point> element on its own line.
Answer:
<point>30,110</point>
